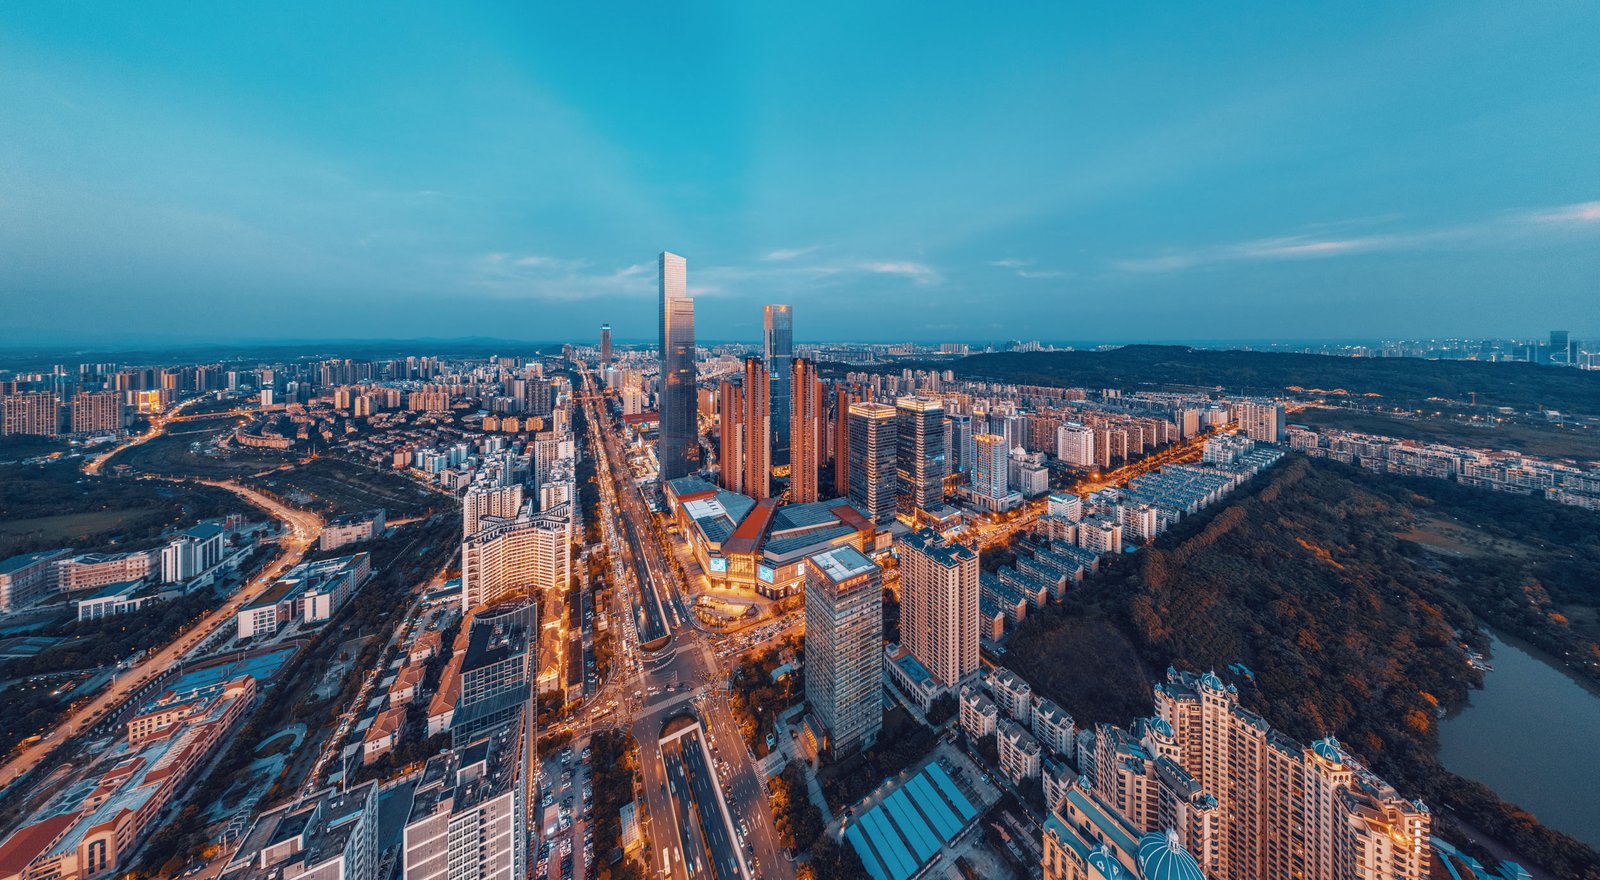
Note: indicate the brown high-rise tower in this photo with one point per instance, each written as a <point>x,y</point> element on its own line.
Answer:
<point>806,411</point>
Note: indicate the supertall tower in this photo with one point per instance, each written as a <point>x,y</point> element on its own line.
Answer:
<point>807,412</point>
<point>777,350</point>
<point>679,447</point>
<point>605,345</point>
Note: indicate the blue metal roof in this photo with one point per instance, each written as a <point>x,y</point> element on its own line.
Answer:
<point>1162,857</point>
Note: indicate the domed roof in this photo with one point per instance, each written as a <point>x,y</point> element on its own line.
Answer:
<point>1161,727</point>
<point>1101,859</point>
<point>1328,750</point>
<point>1162,857</point>
<point>1211,680</point>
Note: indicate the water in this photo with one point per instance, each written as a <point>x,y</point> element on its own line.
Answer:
<point>1530,735</point>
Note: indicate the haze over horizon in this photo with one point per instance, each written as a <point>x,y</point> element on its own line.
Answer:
<point>924,173</point>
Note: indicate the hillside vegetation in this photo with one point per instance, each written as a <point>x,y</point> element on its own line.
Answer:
<point>1412,382</point>
<point>1311,579</point>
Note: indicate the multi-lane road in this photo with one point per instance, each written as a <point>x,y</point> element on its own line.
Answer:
<point>682,678</point>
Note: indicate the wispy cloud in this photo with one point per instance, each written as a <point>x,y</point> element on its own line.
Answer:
<point>921,273</point>
<point>542,277</point>
<point>1582,212</point>
<point>1041,273</point>
<point>1504,228</point>
<point>780,255</point>
<point>545,277</point>
<point>1010,263</point>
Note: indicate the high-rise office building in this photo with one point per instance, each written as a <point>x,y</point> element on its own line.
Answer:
<point>920,459</point>
<point>843,398</point>
<point>730,435</point>
<point>777,349</point>
<point>939,605</point>
<point>873,446</point>
<point>806,416</point>
<point>605,345</point>
<point>469,814</point>
<point>678,448</point>
<point>521,556</point>
<point>962,452</point>
<point>1561,347</point>
<point>1262,422</point>
<point>96,412</point>
<point>990,465</point>
<point>497,670</point>
<point>844,646</point>
<point>30,412</point>
<point>756,429</point>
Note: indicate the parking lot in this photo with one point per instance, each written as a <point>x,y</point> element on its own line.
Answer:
<point>566,840</point>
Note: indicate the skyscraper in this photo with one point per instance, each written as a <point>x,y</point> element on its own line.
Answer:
<point>844,397</point>
<point>678,448</point>
<point>989,468</point>
<point>844,646</point>
<point>777,349</point>
<point>1262,422</point>
<point>756,430</point>
<point>920,460</point>
<point>1560,347</point>
<point>730,435</point>
<point>961,449</point>
<point>806,410</point>
<point>939,605</point>
<point>605,345</point>
<point>873,431</point>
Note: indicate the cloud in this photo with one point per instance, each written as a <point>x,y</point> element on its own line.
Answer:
<point>918,272</point>
<point>784,254</point>
<point>1041,273</point>
<point>1010,263</point>
<point>1582,212</point>
<point>555,279</point>
<point>1504,228</point>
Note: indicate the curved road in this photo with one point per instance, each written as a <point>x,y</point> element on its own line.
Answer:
<point>304,528</point>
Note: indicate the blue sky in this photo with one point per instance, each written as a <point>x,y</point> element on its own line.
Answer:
<point>896,171</point>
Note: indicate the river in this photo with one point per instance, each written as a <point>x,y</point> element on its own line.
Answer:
<point>1530,736</point>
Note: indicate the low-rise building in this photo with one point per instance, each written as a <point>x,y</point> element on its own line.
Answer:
<point>979,714</point>
<point>28,578</point>
<point>1013,695</point>
<point>352,528</point>
<point>1019,751</point>
<point>311,592</point>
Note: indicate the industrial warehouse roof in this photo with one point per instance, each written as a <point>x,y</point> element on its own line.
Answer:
<point>904,831</point>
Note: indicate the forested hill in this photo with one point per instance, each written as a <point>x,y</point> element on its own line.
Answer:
<point>1399,381</point>
<point>1308,577</point>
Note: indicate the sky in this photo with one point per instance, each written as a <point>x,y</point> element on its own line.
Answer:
<point>896,171</point>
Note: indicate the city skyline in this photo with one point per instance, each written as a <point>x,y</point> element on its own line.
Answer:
<point>162,190</point>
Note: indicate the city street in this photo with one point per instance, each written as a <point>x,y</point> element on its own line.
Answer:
<point>687,674</point>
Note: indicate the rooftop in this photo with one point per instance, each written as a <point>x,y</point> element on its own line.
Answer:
<point>843,563</point>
